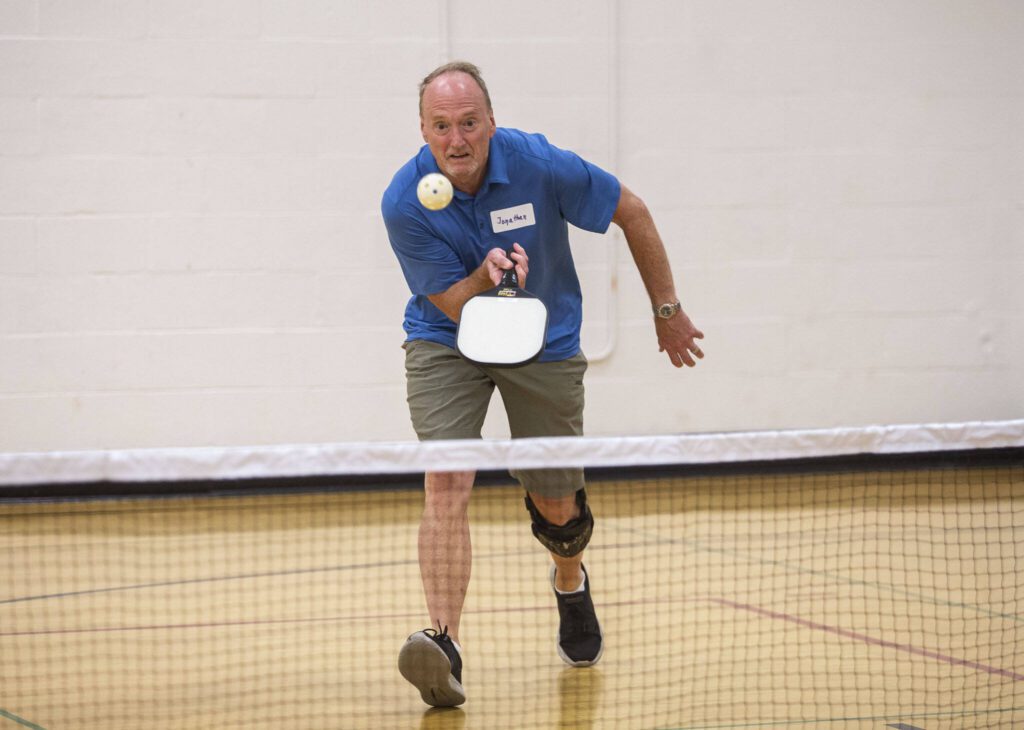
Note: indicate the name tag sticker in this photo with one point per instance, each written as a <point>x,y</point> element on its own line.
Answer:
<point>510,219</point>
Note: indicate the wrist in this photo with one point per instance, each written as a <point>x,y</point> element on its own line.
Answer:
<point>667,310</point>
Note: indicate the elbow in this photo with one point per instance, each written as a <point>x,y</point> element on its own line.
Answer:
<point>631,208</point>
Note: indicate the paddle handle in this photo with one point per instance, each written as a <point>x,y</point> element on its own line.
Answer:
<point>509,278</point>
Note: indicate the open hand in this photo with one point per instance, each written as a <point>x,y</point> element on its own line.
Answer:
<point>678,337</point>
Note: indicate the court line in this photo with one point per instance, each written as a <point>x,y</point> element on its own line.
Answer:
<point>871,640</point>
<point>210,579</point>
<point>282,573</point>
<point>652,539</point>
<point>845,633</point>
<point>891,588</point>
<point>332,619</point>
<point>827,720</point>
<point>20,720</point>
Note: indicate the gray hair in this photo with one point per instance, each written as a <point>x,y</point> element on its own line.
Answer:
<point>456,67</point>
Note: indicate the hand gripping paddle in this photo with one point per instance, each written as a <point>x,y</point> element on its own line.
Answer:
<point>502,327</point>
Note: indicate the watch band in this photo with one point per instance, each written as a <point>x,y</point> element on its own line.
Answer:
<point>668,310</point>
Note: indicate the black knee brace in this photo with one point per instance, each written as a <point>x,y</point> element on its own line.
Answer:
<point>566,540</point>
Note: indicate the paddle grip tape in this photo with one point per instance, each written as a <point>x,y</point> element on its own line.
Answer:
<point>566,540</point>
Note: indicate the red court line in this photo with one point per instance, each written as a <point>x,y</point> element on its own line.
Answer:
<point>873,641</point>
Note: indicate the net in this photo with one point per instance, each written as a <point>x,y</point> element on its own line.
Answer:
<point>848,578</point>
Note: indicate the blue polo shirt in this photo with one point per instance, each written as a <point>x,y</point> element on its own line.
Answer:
<point>531,192</point>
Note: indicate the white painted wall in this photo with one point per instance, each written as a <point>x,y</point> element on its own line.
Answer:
<point>191,251</point>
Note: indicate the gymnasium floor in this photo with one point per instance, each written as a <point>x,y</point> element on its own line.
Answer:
<point>856,600</point>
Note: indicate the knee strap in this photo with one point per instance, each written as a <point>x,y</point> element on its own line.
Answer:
<point>566,540</point>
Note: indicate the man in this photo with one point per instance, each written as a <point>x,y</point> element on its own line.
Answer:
<point>447,257</point>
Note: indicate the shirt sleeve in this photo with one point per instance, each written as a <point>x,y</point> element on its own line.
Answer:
<point>429,264</point>
<point>587,195</point>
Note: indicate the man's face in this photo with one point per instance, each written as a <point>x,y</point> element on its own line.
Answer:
<point>458,126</point>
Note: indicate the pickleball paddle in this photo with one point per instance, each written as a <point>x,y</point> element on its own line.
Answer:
<point>502,327</point>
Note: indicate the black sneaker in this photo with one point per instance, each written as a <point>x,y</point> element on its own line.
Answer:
<point>580,642</point>
<point>430,661</point>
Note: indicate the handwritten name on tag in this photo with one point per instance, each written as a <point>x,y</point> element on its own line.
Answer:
<point>510,219</point>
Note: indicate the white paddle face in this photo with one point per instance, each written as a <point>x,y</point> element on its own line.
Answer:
<point>502,331</point>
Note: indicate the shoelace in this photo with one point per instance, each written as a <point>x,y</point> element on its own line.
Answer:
<point>441,635</point>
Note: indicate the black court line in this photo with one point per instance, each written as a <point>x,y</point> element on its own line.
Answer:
<point>196,581</point>
<point>701,546</point>
<point>819,721</point>
<point>546,608</point>
<point>286,573</point>
<point>716,600</point>
<point>380,564</point>
<point>19,720</point>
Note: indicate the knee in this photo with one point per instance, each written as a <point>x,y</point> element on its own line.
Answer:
<point>448,491</point>
<point>556,510</point>
<point>566,538</point>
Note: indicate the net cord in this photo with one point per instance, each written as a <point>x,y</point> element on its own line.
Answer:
<point>328,459</point>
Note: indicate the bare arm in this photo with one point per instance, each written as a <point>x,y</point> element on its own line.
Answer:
<point>485,276</point>
<point>677,335</point>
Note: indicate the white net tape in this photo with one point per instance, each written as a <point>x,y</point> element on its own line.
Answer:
<point>299,460</point>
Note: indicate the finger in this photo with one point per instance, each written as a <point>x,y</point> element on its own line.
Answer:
<point>499,258</point>
<point>496,262</point>
<point>521,260</point>
<point>680,356</point>
<point>518,254</point>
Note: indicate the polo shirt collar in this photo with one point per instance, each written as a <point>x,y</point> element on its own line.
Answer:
<point>497,167</point>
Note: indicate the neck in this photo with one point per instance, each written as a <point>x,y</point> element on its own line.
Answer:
<point>471,186</point>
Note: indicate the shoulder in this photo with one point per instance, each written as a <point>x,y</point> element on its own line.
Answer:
<point>400,195</point>
<point>524,144</point>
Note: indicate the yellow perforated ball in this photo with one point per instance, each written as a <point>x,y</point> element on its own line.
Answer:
<point>434,191</point>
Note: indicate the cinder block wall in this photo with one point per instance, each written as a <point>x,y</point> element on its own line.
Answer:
<point>191,252</point>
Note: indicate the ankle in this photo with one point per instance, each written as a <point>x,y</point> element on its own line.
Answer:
<point>569,580</point>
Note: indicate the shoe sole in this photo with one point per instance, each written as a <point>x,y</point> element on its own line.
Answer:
<point>558,640</point>
<point>425,665</point>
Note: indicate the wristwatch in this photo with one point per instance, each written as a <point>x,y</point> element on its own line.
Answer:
<point>666,311</point>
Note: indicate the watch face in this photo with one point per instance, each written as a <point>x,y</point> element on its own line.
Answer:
<point>667,310</point>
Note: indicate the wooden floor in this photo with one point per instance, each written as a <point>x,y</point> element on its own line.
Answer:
<point>871,600</point>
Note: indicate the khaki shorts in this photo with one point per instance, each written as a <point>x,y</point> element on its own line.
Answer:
<point>448,399</point>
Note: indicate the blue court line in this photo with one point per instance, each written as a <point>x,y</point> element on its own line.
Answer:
<point>829,720</point>
<point>20,720</point>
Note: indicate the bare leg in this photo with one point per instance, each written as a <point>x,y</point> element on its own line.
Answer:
<point>558,511</point>
<point>445,551</point>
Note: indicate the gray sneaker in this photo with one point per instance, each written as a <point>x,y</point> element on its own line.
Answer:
<point>580,642</point>
<point>430,661</point>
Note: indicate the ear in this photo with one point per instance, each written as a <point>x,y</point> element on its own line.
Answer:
<point>423,129</point>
